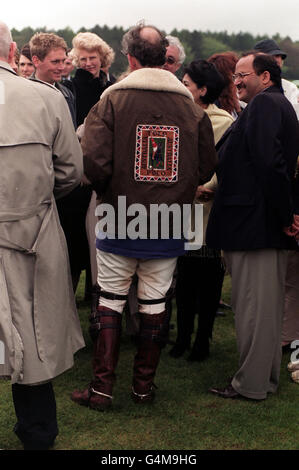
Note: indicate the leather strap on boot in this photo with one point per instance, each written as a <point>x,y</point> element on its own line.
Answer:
<point>106,349</point>
<point>96,323</point>
<point>92,398</point>
<point>145,397</point>
<point>152,337</point>
<point>106,323</point>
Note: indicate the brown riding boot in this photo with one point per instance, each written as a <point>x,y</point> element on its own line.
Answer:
<point>153,337</point>
<point>105,330</point>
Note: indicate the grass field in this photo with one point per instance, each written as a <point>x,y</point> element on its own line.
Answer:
<point>184,416</point>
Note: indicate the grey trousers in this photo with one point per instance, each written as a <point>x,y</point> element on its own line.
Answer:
<point>258,285</point>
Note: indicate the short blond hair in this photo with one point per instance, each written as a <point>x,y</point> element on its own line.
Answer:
<point>91,42</point>
<point>42,43</point>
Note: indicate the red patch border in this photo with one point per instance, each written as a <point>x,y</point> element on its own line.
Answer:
<point>158,178</point>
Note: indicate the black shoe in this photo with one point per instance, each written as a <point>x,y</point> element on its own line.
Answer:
<point>178,350</point>
<point>227,392</point>
<point>224,305</point>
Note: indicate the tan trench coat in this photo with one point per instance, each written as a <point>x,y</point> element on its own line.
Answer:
<point>39,156</point>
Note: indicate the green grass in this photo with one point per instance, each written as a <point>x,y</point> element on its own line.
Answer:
<point>184,416</point>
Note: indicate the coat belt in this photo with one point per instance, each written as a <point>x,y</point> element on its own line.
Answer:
<point>4,243</point>
<point>22,214</point>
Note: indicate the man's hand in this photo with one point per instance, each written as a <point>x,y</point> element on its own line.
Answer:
<point>204,193</point>
<point>293,230</point>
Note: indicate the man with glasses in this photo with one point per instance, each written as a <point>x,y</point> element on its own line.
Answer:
<point>175,54</point>
<point>252,208</point>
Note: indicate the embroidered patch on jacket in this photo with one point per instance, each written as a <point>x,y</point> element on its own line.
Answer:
<point>157,153</point>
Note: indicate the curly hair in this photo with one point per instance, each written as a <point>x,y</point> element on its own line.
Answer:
<point>225,63</point>
<point>42,43</point>
<point>148,53</point>
<point>91,42</point>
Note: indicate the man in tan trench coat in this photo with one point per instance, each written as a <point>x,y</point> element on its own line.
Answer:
<point>40,158</point>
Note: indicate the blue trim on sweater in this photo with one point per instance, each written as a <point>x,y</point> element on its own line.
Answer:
<point>146,249</point>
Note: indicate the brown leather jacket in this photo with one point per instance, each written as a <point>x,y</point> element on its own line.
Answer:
<point>147,140</point>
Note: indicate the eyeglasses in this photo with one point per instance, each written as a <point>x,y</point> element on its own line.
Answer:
<point>240,75</point>
<point>170,60</point>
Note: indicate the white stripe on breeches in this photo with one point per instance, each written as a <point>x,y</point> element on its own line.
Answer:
<point>115,274</point>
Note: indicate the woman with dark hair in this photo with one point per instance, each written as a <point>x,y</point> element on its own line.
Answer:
<point>26,66</point>
<point>225,62</point>
<point>206,83</point>
<point>200,272</point>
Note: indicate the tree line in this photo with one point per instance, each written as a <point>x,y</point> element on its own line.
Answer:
<point>197,44</point>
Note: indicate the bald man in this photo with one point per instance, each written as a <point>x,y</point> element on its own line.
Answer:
<point>137,146</point>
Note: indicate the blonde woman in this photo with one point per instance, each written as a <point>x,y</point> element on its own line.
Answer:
<point>89,54</point>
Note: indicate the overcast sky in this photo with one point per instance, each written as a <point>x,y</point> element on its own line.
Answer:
<point>255,16</point>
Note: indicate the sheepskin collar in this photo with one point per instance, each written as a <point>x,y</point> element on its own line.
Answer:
<point>150,79</point>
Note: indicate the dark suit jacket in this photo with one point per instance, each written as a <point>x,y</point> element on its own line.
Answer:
<point>70,99</point>
<point>257,159</point>
<point>87,91</point>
